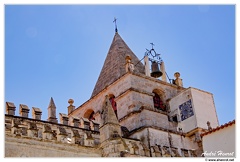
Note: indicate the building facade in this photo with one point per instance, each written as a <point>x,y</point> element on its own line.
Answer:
<point>131,113</point>
<point>220,141</point>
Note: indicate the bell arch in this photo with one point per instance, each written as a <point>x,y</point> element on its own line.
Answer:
<point>114,103</point>
<point>159,100</point>
<point>89,114</point>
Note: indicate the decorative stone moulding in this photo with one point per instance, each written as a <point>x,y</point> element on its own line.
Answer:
<point>62,135</point>
<point>71,107</point>
<point>32,130</point>
<point>47,132</point>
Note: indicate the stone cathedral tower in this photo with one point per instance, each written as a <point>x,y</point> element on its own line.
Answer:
<point>131,113</point>
<point>166,118</point>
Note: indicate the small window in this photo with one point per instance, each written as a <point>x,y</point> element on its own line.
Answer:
<point>174,118</point>
<point>158,103</point>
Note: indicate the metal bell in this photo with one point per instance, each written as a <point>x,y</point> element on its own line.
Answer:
<point>156,73</point>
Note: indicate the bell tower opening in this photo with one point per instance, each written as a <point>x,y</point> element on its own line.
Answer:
<point>89,114</point>
<point>114,104</point>
<point>158,101</point>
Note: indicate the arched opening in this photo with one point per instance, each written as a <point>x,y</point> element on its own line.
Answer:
<point>158,101</point>
<point>89,114</point>
<point>114,104</point>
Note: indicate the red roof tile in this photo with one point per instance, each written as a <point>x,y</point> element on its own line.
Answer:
<point>218,128</point>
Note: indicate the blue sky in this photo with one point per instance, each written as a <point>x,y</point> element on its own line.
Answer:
<point>58,50</point>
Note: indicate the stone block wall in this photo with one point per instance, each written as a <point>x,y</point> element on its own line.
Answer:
<point>33,137</point>
<point>96,102</point>
<point>30,128</point>
<point>124,147</point>
<point>143,118</point>
<point>167,144</point>
<point>148,84</point>
<point>29,147</point>
<point>131,92</point>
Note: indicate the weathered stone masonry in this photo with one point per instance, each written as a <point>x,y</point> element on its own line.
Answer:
<point>130,114</point>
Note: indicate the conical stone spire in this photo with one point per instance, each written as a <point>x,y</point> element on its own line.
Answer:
<point>114,65</point>
<point>51,104</point>
<point>52,111</point>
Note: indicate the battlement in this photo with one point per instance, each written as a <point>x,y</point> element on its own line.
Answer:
<point>70,130</point>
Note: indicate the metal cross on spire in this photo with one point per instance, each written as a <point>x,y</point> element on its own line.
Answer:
<point>115,21</point>
<point>152,45</point>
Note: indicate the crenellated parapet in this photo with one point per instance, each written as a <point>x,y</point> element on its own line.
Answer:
<point>69,130</point>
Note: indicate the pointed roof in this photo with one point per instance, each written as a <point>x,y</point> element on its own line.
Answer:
<point>51,103</point>
<point>114,65</point>
<point>108,112</point>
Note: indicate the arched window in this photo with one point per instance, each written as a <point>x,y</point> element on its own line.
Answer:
<point>89,114</point>
<point>158,103</point>
<point>114,104</point>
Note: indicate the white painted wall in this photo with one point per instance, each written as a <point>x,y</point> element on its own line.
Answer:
<point>221,140</point>
<point>189,123</point>
<point>203,108</point>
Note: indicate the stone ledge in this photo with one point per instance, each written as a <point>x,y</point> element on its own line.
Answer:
<point>140,110</point>
<point>154,127</point>
<point>135,90</point>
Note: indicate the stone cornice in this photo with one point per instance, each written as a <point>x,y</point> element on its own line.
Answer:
<point>194,89</point>
<point>135,90</point>
<point>140,110</point>
<point>109,123</point>
<point>157,80</point>
<point>157,128</point>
